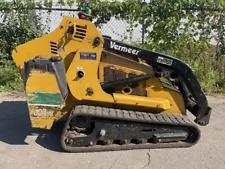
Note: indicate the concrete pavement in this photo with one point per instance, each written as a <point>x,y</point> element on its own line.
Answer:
<point>22,148</point>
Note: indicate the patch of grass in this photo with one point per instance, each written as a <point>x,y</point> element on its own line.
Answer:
<point>10,78</point>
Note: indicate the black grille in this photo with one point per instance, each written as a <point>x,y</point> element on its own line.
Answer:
<point>54,48</point>
<point>80,32</point>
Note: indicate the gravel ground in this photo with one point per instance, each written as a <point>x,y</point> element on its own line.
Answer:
<point>23,148</point>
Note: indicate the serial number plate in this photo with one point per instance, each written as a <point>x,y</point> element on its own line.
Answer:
<point>164,61</point>
<point>42,112</point>
<point>88,56</point>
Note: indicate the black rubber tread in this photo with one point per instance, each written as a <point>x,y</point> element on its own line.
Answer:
<point>131,116</point>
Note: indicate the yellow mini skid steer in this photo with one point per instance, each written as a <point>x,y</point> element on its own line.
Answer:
<point>108,94</point>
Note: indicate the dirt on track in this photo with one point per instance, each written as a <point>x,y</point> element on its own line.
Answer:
<point>22,147</point>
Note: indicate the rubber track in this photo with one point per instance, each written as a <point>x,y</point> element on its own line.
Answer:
<point>130,116</point>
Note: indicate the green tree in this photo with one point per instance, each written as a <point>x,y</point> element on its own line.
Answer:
<point>18,26</point>
<point>164,19</point>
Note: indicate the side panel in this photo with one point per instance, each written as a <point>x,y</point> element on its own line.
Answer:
<point>156,89</point>
<point>87,87</point>
<point>43,98</point>
<point>179,72</point>
<point>153,87</point>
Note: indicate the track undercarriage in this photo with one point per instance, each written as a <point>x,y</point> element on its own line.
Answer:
<point>91,128</point>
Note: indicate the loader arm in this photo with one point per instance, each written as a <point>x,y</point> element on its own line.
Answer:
<point>179,73</point>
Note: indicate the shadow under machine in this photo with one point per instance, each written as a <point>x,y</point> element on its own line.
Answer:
<point>107,94</point>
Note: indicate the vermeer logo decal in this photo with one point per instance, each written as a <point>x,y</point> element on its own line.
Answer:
<point>113,45</point>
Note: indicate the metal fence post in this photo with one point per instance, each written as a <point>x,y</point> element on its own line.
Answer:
<point>222,34</point>
<point>143,25</point>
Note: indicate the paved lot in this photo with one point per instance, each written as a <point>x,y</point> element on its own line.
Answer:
<point>21,148</point>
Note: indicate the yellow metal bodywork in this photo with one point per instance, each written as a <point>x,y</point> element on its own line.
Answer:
<point>46,109</point>
<point>156,89</point>
<point>172,100</point>
<point>41,85</point>
<point>38,81</point>
<point>153,102</point>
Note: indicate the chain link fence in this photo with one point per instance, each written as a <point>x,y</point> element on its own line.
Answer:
<point>117,29</point>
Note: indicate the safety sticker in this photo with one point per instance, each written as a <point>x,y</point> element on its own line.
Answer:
<point>164,61</point>
<point>88,56</point>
